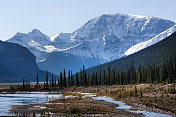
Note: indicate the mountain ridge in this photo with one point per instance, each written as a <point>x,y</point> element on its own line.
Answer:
<point>101,39</point>
<point>17,62</point>
<point>158,54</point>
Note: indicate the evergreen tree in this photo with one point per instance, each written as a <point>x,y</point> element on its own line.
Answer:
<point>139,74</point>
<point>61,80</point>
<point>23,85</point>
<point>37,84</point>
<point>175,69</point>
<point>52,81</point>
<point>118,77</point>
<point>100,79</point>
<point>92,80</point>
<point>69,78</point>
<point>65,81</point>
<point>77,79</point>
<point>138,78</point>
<point>46,79</point>
<point>104,77</point>
<point>109,75</point>
<point>157,74</point>
<point>88,80</point>
<point>96,79</point>
<point>85,78</point>
<point>81,77</point>
<point>164,73</point>
<point>58,81</point>
<point>72,81</point>
<point>170,71</point>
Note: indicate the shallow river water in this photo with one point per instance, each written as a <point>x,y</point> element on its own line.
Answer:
<point>122,105</point>
<point>7,100</point>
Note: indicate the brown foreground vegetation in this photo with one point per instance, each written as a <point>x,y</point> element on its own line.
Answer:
<point>151,97</point>
<point>73,105</point>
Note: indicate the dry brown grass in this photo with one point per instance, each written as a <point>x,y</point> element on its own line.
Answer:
<point>79,105</point>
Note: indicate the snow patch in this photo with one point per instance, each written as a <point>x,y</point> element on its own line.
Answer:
<point>150,42</point>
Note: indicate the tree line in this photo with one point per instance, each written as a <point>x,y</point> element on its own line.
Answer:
<point>153,73</point>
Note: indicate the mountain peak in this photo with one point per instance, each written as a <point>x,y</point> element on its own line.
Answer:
<point>121,15</point>
<point>35,31</point>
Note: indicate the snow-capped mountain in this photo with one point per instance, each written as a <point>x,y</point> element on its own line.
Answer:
<point>150,42</point>
<point>35,41</point>
<point>101,39</point>
<point>107,37</point>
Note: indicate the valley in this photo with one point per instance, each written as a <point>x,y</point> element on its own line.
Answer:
<point>112,65</point>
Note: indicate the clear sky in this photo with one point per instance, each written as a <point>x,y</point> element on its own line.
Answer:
<point>55,16</point>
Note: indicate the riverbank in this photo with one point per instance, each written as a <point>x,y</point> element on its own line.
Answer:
<point>73,104</point>
<point>155,98</point>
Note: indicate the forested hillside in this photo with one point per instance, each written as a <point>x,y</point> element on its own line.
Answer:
<point>158,54</point>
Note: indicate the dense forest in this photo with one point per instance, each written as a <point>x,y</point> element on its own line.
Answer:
<point>165,73</point>
<point>155,64</point>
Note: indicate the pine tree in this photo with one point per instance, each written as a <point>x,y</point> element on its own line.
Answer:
<point>77,79</point>
<point>46,79</point>
<point>96,79</point>
<point>109,74</point>
<point>65,81</point>
<point>118,77</point>
<point>164,73</point>
<point>61,80</point>
<point>23,85</point>
<point>72,81</point>
<point>157,74</point>
<point>58,81</point>
<point>85,78</point>
<point>88,80</point>
<point>81,78</point>
<point>37,84</point>
<point>104,77</point>
<point>52,81</point>
<point>92,80</point>
<point>100,79</point>
<point>69,78</point>
<point>170,70</point>
<point>139,75</point>
<point>175,70</point>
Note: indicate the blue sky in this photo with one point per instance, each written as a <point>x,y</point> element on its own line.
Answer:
<point>54,16</point>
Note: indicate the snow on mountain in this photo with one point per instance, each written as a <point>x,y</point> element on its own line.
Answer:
<point>101,39</point>
<point>35,41</point>
<point>150,42</point>
<point>107,37</point>
<point>62,41</point>
<point>123,26</point>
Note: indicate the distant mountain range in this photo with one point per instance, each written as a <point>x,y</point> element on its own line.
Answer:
<point>100,40</point>
<point>17,62</point>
